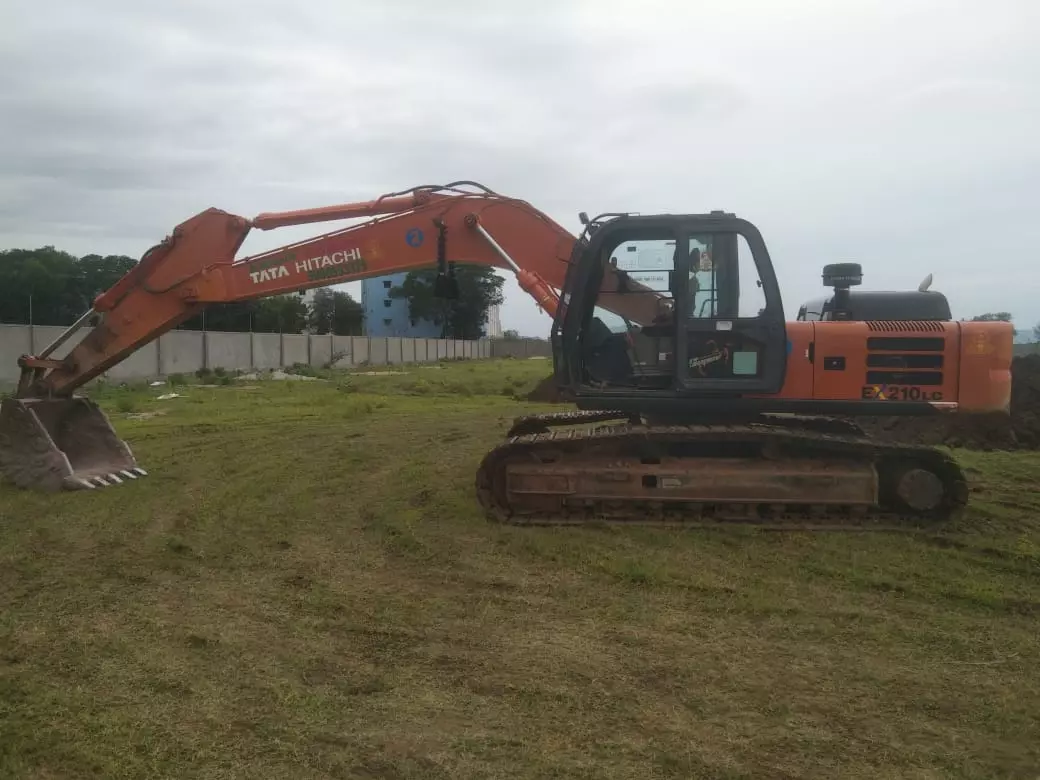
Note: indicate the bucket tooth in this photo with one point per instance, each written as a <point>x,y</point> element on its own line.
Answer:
<point>54,444</point>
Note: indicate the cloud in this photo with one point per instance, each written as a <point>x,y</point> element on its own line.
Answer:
<point>898,135</point>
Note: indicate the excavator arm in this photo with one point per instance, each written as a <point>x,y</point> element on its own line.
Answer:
<point>196,266</point>
<point>49,437</point>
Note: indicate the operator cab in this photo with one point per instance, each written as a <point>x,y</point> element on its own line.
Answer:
<point>675,305</point>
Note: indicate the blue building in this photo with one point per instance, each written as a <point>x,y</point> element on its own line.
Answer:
<point>386,316</point>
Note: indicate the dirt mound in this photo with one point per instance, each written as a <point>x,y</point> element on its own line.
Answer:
<point>1025,400</point>
<point>546,392</point>
<point>976,432</point>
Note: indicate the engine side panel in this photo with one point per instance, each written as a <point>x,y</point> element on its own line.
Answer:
<point>908,361</point>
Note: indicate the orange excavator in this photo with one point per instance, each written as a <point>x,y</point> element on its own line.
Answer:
<point>697,402</point>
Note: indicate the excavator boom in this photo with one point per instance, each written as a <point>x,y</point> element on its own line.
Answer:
<point>196,266</point>
<point>49,438</point>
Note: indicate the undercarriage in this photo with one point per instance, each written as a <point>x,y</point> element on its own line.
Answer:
<point>778,471</point>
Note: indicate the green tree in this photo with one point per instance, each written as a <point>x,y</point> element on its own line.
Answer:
<point>97,274</point>
<point>233,317</point>
<point>480,288</point>
<point>277,314</point>
<point>57,286</point>
<point>997,316</point>
<point>511,334</point>
<point>336,312</point>
<point>280,314</point>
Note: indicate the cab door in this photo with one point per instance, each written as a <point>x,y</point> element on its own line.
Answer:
<point>732,334</point>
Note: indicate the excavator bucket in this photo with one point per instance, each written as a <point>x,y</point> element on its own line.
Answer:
<point>54,444</point>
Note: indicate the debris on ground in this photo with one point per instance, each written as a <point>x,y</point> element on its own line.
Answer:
<point>144,415</point>
<point>168,396</point>
<point>221,387</point>
<point>278,375</point>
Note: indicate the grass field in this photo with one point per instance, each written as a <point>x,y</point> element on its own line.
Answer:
<point>304,587</point>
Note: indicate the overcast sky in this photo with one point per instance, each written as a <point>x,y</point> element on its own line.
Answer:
<point>904,134</point>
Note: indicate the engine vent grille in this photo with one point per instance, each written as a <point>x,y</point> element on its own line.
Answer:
<point>918,326</point>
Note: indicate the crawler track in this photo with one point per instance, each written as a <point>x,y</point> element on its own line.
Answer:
<point>787,473</point>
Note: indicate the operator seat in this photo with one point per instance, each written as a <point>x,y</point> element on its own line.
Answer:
<point>606,355</point>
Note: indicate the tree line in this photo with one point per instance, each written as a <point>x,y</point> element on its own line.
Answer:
<point>46,286</point>
<point>1003,316</point>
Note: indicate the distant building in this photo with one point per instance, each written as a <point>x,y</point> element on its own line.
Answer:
<point>386,316</point>
<point>493,327</point>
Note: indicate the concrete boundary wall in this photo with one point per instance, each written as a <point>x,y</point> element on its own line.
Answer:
<point>518,348</point>
<point>187,351</point>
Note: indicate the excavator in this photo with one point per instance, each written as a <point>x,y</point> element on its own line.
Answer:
<point>696,401</point>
